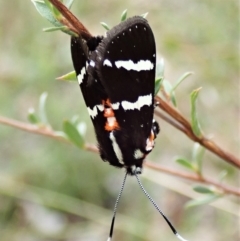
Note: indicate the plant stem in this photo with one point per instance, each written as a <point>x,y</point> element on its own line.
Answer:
<point>46,131</point>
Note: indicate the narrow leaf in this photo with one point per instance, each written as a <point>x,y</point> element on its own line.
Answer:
<point>167,86</point>
<point>144,15</point>
<point>44,11</point>
<point>53,9</point>
<point>180,80</point>
<point>32,117</point>
<point>194,120</point>
<point>202,189</point>
<point>197,155</point>
<point>201,201</point>
<point>124,15</point>
<point>73,134</point>
<point>71,76</point>
<point>105,25</point>
<point>51,29</point>
<point>49,5</point>
<point>42,108</point>
<point>173,98</point>
<point>185,163</point>
<point>158,83</point>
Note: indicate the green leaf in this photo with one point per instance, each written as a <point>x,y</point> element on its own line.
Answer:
<point>73,134</point>
<point>185,163</point>
<point>197,155</point>
<point>124,15</point>
<point>167,86</point>
<point>180,80</point>
<point>49,5</point>
<point>207,199</point>
<point>32,117</point>
<point>71,76</point>
<point>144,15</point>
<point>194,120</point>
<point>46,12</point>
<point>157,87</point>
<point>51,29</point>
<point>203,189</point>
<point>173,98</point>
<point>105,25</point>
<point>42,108</point>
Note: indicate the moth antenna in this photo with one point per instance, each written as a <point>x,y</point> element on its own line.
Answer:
<point>115,208</point>
<point>159,210</point>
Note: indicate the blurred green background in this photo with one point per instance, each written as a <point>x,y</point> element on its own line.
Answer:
<point>53,191</point>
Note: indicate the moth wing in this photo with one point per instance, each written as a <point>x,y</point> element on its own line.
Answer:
<point>126,68</point>
<point>94,95</point>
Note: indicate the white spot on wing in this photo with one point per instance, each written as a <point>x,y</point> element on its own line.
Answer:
<point>116,148</point>
<point>141,101</point>
<point>100,107</point>
<point>115,106</point>
<point>92,63</point>
<point>93,112</point>
<point>81,75</point>
<point>138,154</point>
<point>107,63</point>
<point>139,66</point>
<point>111,121</point>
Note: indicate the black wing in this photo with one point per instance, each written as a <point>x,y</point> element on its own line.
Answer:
<point>125,64</point>
<point>94,96</point>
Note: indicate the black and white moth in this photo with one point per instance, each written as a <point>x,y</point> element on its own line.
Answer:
<point>116,75</point>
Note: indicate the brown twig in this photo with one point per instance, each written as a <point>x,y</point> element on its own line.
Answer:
<point>193,177</point>
<point>46,131</point>
<point>75,24</point>
<point>185,126</point>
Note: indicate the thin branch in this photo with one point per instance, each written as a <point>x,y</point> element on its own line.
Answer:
<point>204,141</point>
<point>46,131</point>
<point>75,24</point>
<point>196,178</point>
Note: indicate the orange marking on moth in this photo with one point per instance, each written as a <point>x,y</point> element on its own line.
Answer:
<point>151,137</point>
<point>108,112</point>
<point>111,123</point>
<point>111,126</point>
<point>150,142</point>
